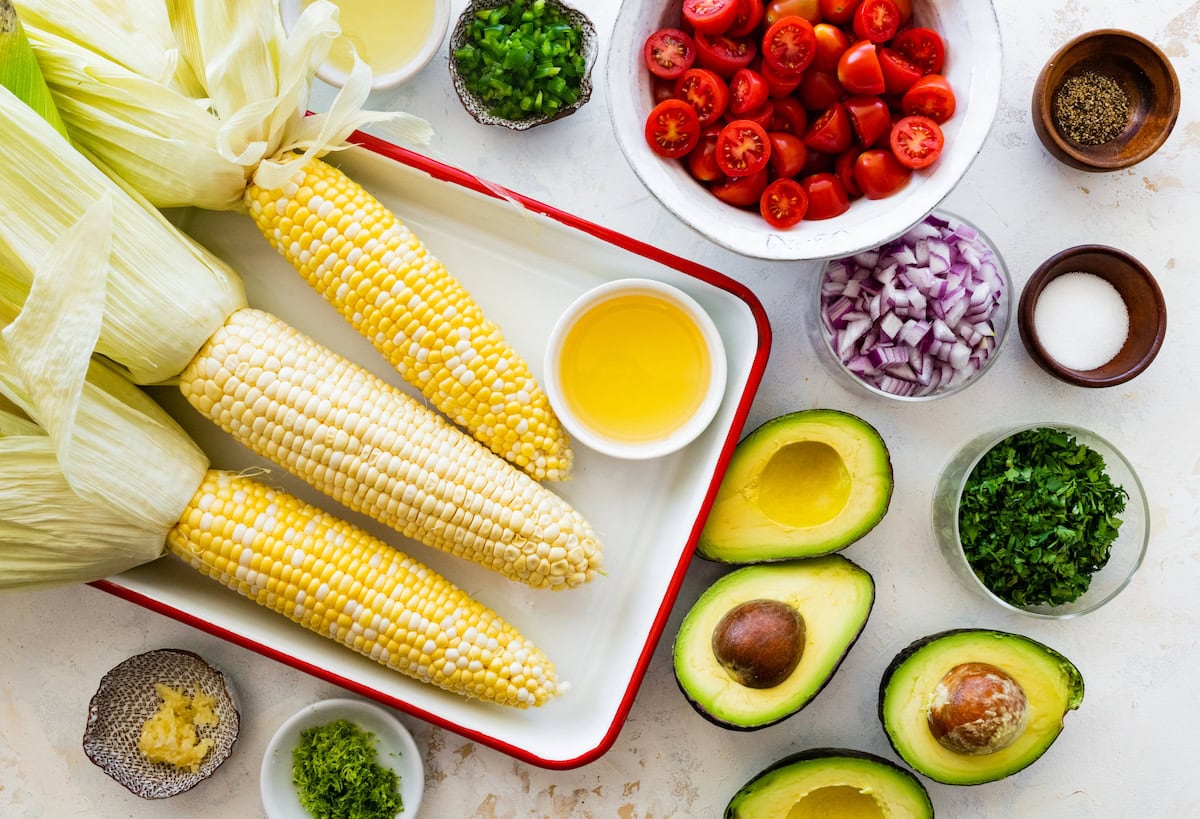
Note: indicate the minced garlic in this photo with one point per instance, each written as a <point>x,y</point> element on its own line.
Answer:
<point>170,734</point>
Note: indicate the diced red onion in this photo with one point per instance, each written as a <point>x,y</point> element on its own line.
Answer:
<point>917,314</point>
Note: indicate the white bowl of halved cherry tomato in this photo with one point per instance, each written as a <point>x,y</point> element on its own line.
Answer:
<point>803,129</point>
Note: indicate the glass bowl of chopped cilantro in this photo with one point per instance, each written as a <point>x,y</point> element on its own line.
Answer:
<point>522,63</point>
<point>342,757</point>
<point>1048,519</point>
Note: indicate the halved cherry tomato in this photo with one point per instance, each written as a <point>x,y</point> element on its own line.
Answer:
<point>702,160</point>
<point>827,196</point>
<point>870,118</point>
<point>743,148</point>
<point>923,47</point>
<point>879,174</point>
<point>917,141</point>
<point>763,114</point>
<point>669,52</point>
<point>838,11</point>
<point>749,15</point>
<point>844,168</point>
<point>788,153</point>
<point>820,89</point>
<point>672,129</point>
<point>724,54</point>
<point>859,71</point>
<point>898,73</point>
<point>876,20</point>
<point>778,85</point>
<point>905,7</point>
<point>705,91</point>
<point>747,91</point>
<point>789,45</point>
<point>790,116</point>
<point>710,16</point>
<point>810,10</point>
<point>832,43</point>
<point>783,203</point>
<point>831,131</point>
<point>741,191</point>
<point>931,96</point>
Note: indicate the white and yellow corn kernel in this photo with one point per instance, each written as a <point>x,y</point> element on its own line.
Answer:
<point>378,451</point>
<point>384,280</point>
<point>340,582</point>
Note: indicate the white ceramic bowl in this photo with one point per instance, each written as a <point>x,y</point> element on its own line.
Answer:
<point>682,435</point>
<point>290,11</point>
<point>973,67</point>
<point>394,747</point>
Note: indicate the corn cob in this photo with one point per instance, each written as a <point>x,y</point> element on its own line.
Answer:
<point>376,450</point>
<point>158,121</point>
<point>339,582</point>
<point>396,293</point>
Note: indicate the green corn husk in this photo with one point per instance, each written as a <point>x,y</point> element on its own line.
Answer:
<point>19,70</point>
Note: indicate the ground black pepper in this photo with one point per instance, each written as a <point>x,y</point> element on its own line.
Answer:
<point>1090,108</point>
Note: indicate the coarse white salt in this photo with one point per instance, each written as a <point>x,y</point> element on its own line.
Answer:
<point>1081,320</point>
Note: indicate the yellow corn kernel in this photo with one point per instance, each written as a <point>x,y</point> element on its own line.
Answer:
<point>378,451</point>
<point>340,582</point>
<point>369,265</point>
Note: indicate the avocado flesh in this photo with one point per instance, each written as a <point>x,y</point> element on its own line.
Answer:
<point>1052,685</point>
<point>831,783</point>
<point>801,485</point>
<point>832,594</point>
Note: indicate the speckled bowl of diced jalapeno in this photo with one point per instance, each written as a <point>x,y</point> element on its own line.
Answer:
<point>522,63</point>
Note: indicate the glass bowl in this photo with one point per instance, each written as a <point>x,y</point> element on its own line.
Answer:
<point>1128,549</point>
<point>1003,318</point>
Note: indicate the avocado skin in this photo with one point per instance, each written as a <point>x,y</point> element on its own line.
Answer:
<point>831,755</point>
<point>732,726</point>
<point>711,549</point>
<point>1073,701</point>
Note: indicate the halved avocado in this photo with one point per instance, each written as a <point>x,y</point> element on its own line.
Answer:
<point>1050,683</point>
<point>801,485</point>
<point>832,598</point>
<point>832,782</point>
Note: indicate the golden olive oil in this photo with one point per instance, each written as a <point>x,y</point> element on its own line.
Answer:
<point>634,368</point>
<point>385,33</point>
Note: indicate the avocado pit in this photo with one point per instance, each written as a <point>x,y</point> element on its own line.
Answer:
<point>977,708</point>
<point>759,643</point>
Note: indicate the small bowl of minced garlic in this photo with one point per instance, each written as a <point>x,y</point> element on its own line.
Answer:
<point>161,722</point>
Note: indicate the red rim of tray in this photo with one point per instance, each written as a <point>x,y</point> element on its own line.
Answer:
<point>447,173</point>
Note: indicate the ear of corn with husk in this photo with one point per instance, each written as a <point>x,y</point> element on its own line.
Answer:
<point>143,121</point>
<point>96,477</point>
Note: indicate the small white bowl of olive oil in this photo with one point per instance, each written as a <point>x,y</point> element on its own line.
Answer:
<point>635,368</point>
<point>397,38</point>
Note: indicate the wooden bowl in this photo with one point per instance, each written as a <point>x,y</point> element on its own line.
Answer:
<point>1142,297</point>
<point>1144,74</point>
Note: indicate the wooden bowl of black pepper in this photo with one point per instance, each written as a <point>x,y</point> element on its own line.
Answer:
<point>1106,100</point>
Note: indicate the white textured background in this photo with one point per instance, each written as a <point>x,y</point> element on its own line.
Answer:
<point>1128,752</point>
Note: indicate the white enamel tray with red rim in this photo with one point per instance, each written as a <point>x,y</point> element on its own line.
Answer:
<point>525,262</point>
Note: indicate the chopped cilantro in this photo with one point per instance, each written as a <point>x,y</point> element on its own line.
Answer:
<point>1038,516</point>
<point>337,776</point>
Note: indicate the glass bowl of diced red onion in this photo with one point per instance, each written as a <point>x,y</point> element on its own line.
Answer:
<point>919,318</point>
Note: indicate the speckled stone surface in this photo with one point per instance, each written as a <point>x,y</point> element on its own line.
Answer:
<point>1128,752</point>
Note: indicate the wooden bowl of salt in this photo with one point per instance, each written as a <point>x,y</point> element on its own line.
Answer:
<point>1092,316</point>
